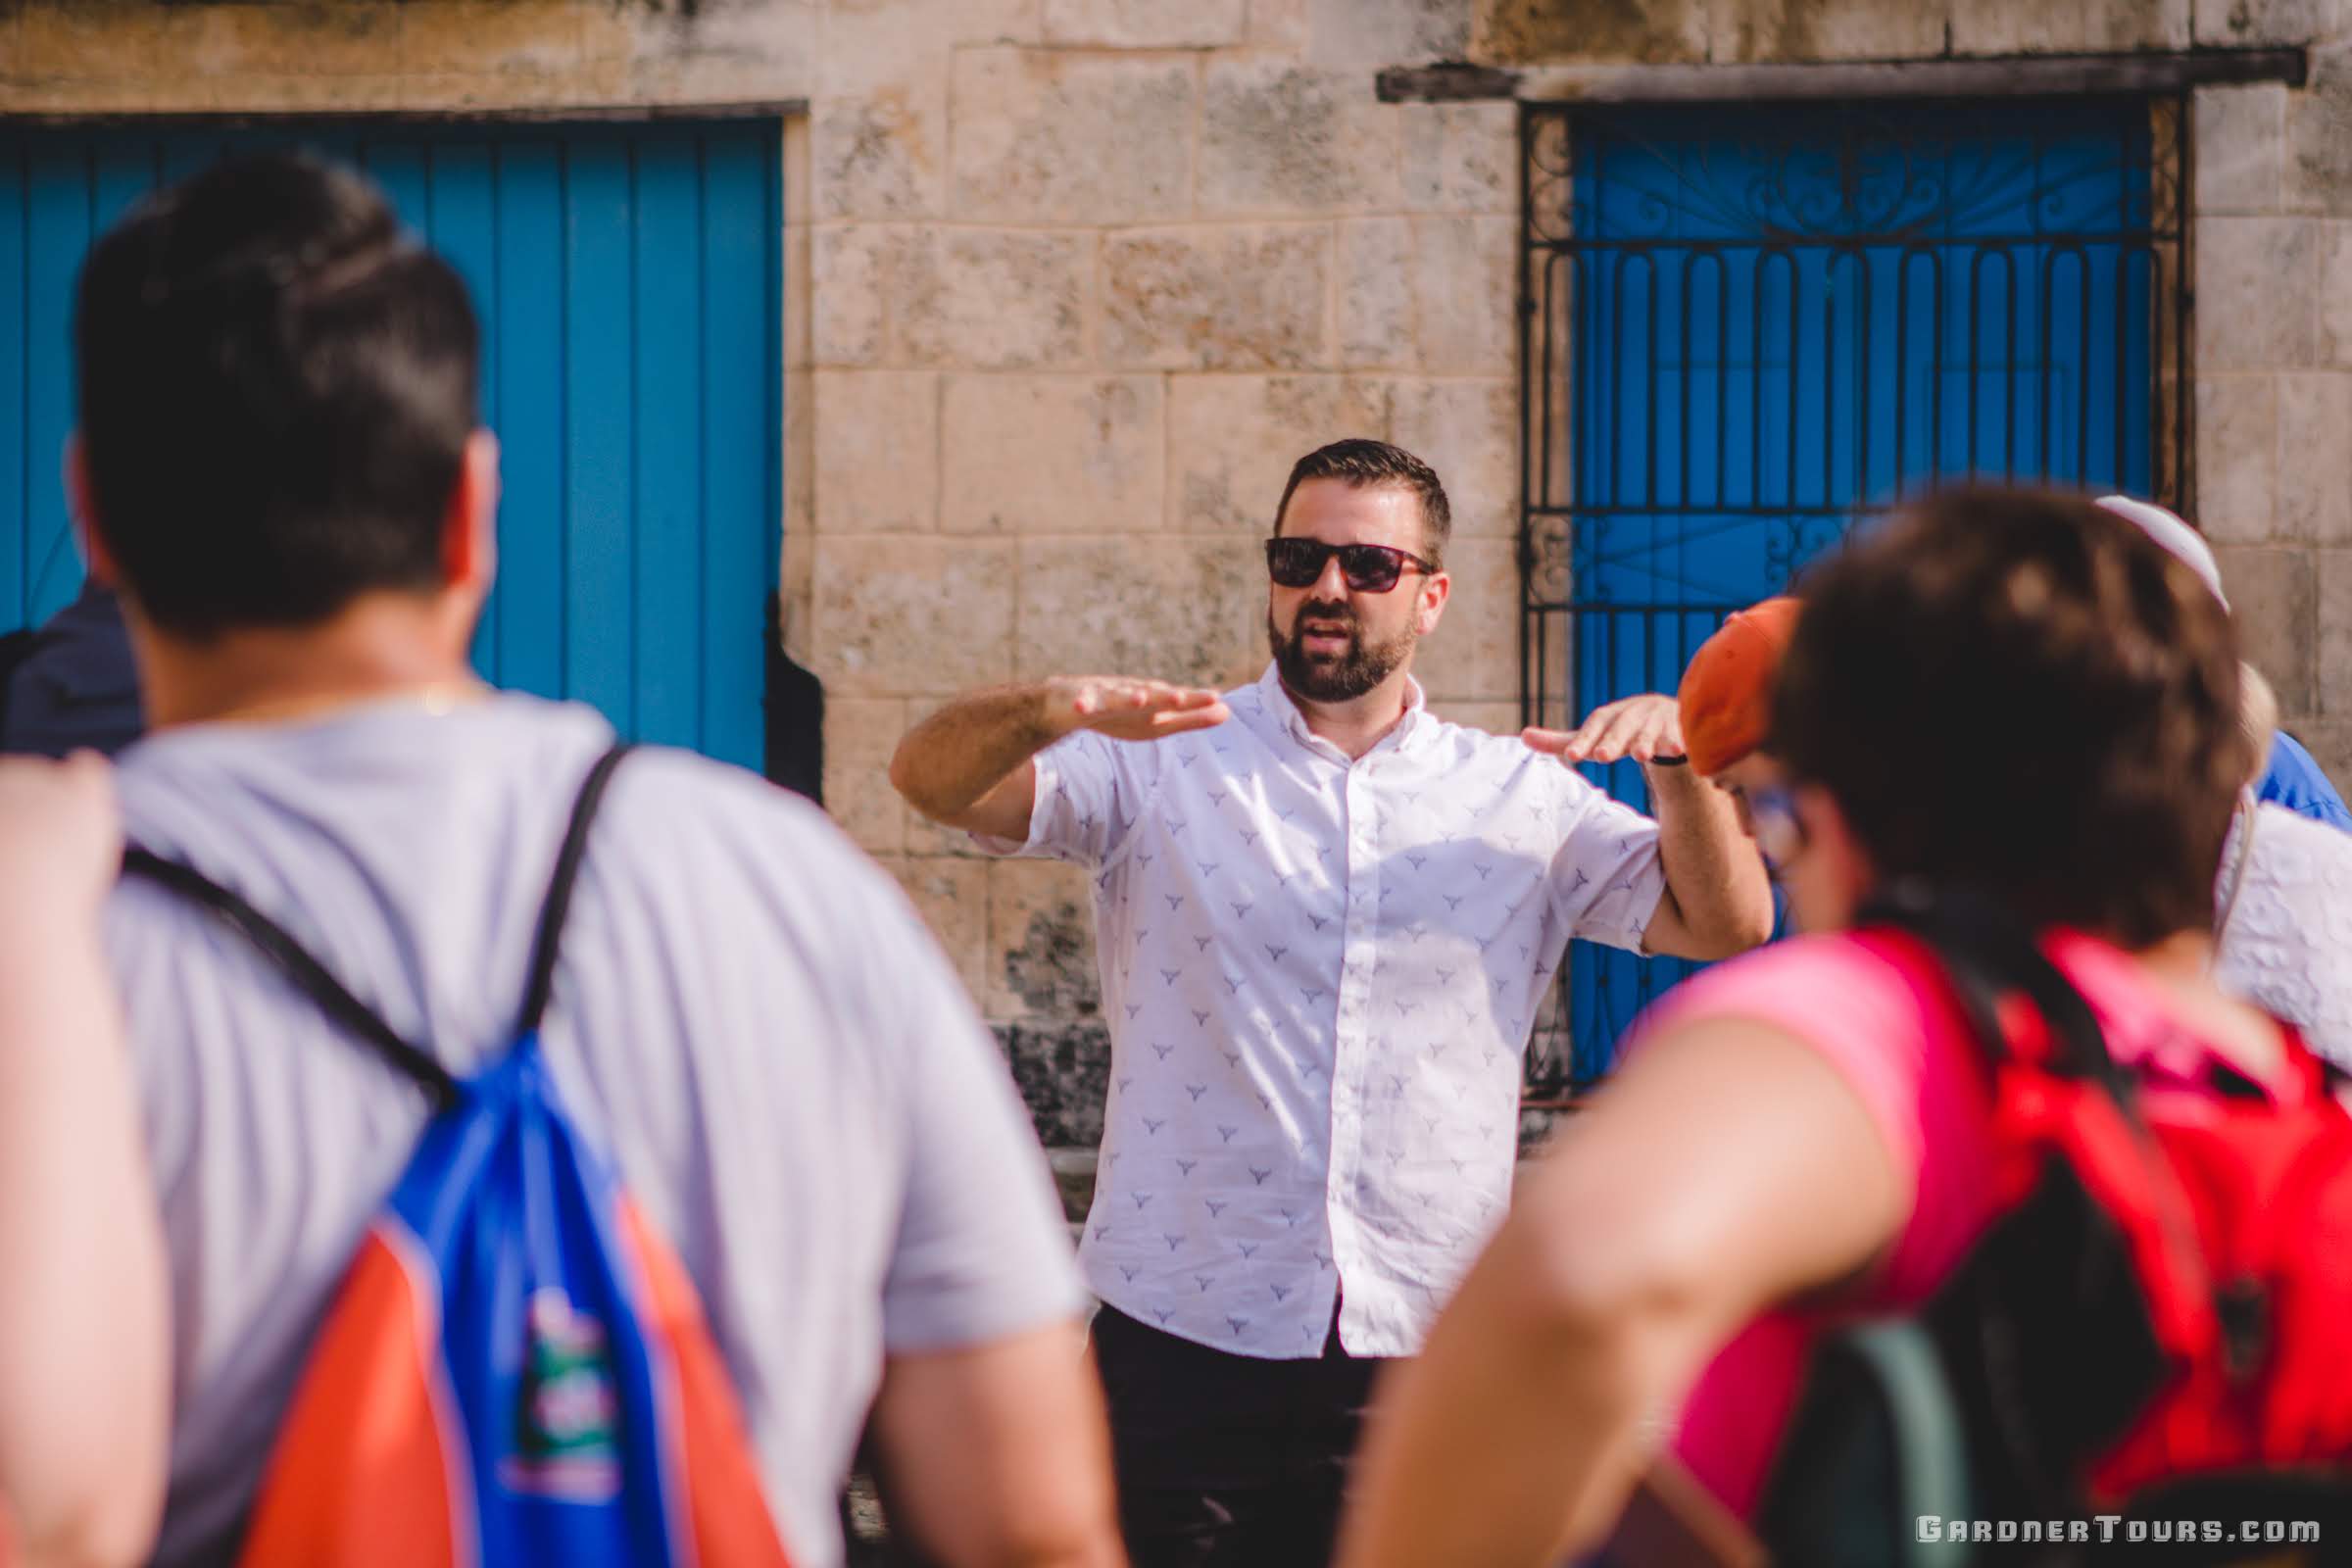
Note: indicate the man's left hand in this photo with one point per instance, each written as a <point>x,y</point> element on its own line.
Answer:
<point>1646,728</point>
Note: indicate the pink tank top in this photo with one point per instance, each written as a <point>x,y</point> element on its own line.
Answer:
<point>1881,1013</point>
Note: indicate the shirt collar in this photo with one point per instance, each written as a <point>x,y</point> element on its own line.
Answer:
<point>1416,728</point>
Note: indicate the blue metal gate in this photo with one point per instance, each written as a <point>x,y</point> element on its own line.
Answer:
<point>1748,325</point>
<point>627,279</point>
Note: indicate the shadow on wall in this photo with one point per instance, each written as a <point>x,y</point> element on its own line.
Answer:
<point>795,710</point>
<point>1061,1062</point>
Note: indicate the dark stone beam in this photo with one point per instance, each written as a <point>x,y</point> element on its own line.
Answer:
<point>2013,77</point>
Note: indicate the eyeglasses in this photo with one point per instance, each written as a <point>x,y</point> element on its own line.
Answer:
<point>1780,831</point>
<point>1298,562</point>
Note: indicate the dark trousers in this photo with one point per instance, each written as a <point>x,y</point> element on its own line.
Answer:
<point>1227,1459</point>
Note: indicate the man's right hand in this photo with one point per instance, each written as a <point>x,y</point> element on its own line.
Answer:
<point>968,764</point>
<point>1127,708</point>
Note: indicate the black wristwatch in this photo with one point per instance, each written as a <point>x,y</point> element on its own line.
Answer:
<point>1670,761</point>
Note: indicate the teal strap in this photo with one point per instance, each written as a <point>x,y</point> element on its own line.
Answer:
<point>1931,1453</point>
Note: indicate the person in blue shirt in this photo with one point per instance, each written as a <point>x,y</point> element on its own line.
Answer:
<point>2291,777</point>
<point>2294,780</point>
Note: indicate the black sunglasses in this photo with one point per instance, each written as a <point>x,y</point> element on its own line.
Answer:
<point>1296,562</point>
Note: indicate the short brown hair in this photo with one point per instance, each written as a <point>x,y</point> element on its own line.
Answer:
<point>277,388</point>
<point>2015,692</point>
<point>1359,462</point>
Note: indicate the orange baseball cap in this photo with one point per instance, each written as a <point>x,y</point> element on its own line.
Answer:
<point>1727,692</point>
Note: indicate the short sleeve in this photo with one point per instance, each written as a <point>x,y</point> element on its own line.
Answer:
<point>1606,879</point>
<point>1868,1017</point>
<point>1879,1012</point>
<point>2294,778</point>
<point>981,1250</point>
<point>1090,792</point>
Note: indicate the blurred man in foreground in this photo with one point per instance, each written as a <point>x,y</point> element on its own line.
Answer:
<point>279,465</point>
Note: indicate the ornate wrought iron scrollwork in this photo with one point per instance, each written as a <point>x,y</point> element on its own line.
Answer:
<point>1549,574</point>
<point>1550,176</point>
<point>1831,174</point>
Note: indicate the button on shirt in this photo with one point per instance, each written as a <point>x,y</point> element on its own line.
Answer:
<point>1320,978</point>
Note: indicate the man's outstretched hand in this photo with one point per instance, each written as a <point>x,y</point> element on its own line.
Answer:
<point>1126,708</point>
<point>1646,728</point>
<point>969,765</point>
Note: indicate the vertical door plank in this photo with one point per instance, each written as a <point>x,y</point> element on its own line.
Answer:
<point>461,207</point>
<point>122,168</point>
<point>16,311</point>
<point>742,434</point>
<point>599,420</point>
<point>668,488</point>
<point>531,371</point>
<point>395,160</point>
<point>57,234</point>
<point>185,152</point>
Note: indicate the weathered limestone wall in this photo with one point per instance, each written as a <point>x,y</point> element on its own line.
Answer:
<point>1071,281</point>
<point>1757,31</point>
<point>342,56</point>
<point>2274,346</point>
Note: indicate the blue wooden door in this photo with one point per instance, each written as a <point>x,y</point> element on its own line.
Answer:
<point>627,280</point>
<point>1780,318</point>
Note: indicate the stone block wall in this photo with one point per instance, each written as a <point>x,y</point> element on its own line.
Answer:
<point>2274,345</point>
<point>1070,282</point>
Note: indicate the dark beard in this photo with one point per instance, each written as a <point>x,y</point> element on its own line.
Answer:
<point>1354,672</point>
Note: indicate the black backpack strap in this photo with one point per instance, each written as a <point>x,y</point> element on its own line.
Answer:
<point>306,975</point>
<point>2044,1324</point>
<point>559,887</point>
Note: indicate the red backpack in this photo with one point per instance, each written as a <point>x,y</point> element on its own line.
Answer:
<point>2158,1326</point>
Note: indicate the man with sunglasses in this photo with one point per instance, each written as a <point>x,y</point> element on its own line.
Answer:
<point>1326,920</point>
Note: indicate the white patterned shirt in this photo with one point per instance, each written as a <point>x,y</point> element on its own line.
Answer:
<point>2287,946</point>
<point>1320,978</point>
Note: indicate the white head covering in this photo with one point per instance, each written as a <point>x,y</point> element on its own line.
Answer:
<point>2181,542</point>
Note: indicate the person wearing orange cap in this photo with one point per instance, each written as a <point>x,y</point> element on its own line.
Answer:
<point>1726,711</point>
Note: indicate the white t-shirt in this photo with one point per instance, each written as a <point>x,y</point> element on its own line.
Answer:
<point>746,1013</point>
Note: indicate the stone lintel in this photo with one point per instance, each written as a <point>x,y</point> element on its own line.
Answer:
<point>2013,77</point>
